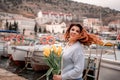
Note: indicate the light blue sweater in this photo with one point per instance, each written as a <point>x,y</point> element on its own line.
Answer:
<point>72,62</point>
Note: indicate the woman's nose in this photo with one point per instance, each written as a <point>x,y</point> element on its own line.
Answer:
<point>74,32</point>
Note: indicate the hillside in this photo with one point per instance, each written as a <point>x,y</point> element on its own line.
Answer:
<point>30,8</point>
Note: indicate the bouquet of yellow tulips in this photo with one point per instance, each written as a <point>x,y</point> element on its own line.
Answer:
<point>53,60</point>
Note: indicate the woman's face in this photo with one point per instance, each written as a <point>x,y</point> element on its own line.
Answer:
<point>74,32</point>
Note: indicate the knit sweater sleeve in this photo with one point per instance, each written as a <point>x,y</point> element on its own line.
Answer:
<point>78,62</point>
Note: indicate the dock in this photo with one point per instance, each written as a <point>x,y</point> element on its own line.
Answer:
<point>7,75</point>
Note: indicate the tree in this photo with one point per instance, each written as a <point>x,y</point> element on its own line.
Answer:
<point>10,26</point>
<point>35,29</point>
<point>7,25</point>
<point>40,29</point>
<point>16,26</point>
<point>45,30</point>
<point>23,31</point>
<point>52,30</point>
<point>63,32</point>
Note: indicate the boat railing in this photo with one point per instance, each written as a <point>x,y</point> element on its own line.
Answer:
<point>94,62</point>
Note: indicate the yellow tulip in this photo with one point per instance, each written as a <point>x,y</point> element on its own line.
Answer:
<point>46,52</point>
<point>53,60</point>
<point>54,49</point>
<point>59,50</point>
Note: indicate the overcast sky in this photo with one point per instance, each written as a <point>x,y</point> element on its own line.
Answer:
<point>113,4</point>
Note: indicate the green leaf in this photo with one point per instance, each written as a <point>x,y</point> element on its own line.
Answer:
<point>48,63</point>
<point>59,71</point>
<point>49,71</point>
<point>52,59</point>
<point>51,62</point>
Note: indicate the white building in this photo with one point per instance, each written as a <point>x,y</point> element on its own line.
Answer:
<point>115,24</point>
<point>45,17</point>
<point>23,23</point>
<point>56,28</point>
<point>92,23</point>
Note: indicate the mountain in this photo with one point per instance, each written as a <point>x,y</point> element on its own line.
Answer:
<point>30,8</point>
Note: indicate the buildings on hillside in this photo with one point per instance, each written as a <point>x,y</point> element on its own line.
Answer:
<point>54,22</point>
<point>92,24</point>
<point>46,17</point>
<point>50,20</point>
<point>115,25</point>
<point>23,23</point>
<point>56,27</point>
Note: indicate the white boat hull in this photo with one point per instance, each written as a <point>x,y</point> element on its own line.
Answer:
<point>2,48</point>
<point>109,70</point>
<point>10,50</point>
<point>109,67</point>
<point>19,53</point>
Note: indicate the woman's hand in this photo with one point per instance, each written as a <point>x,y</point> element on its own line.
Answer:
<point>57,77</point>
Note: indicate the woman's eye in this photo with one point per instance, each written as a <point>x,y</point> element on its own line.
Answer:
<point>77,31</point>
<point>72,29</point>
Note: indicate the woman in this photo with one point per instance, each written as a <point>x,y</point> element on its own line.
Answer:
<point>73,54</point>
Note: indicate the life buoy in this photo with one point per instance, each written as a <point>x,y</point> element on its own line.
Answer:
<point>51,40</point>
<point>108,44</point>
<point>43,40</point>
<point>118,37</point>
<point>7,39</point>
<point>20,38</point>
<point>12,36</point>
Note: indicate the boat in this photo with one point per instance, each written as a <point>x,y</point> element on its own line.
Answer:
<point>107,63</point>
<point>37,59</point>
<point>5,41</point>
<point>109,69</point>
<point>2,48</point>
<point>20,54</point>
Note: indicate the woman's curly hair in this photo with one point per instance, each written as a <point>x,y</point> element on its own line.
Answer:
<point>85,38</point>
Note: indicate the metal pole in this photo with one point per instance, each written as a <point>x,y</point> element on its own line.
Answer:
<point>100,58</point>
